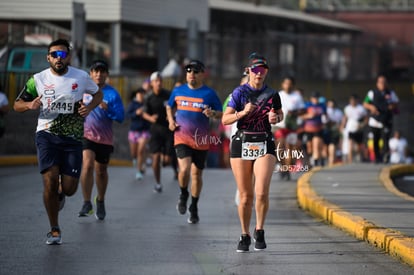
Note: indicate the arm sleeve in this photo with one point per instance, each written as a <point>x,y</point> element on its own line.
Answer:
<point>91,86</point>
<point>234,99</point>
<point>276,102</point>
<point>171,100</point>
<point>369,97</point>
<point>29,92</point>
<point>116,109</point>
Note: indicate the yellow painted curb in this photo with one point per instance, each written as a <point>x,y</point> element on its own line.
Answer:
<point>18,160</point>
<point>391,241</point>
<point>32,160</point>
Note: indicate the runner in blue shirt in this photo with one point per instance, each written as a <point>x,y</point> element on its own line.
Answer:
<point>189,110</point>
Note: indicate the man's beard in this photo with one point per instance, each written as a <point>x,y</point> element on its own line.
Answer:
<point>193,82</point>
<point>61,70</point>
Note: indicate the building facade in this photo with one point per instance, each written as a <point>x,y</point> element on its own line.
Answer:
<point>147,33</point>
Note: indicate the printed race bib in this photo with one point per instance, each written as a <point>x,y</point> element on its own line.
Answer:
<point>253,150</point>
<point>63,104</point>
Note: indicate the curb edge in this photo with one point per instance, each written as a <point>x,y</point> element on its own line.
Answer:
<point>391,241</point>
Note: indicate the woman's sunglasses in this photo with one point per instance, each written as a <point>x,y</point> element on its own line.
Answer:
<point>258,69</point>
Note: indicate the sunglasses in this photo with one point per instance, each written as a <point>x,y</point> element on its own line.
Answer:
<point>61,54</point>
<point>195,71</point>
<point>258,69</point>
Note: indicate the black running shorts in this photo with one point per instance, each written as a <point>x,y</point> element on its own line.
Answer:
<point>64,152</point>
<point>102,151</point>
<point>198,157</point>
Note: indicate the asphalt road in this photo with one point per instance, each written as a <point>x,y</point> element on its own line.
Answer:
<point>144,234</point>
<point>405,184</point>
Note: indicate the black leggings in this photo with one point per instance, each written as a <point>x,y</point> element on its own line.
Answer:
<point>385,134</point>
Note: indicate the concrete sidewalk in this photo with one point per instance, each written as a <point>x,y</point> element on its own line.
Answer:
<point>361,199</point>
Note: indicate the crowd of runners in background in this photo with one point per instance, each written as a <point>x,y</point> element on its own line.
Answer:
<point>317,131</point>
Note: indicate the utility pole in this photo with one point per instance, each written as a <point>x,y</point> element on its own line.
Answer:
<point>78,35</point>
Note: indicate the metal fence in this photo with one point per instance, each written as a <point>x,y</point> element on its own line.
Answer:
<point>308,57</point>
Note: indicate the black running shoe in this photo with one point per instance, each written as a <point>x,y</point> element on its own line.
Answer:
<point>244,243</point>
<point>86,210</point>
<point>259,240</point>
<point>182,203</point>
<point>193,219</point>
<point>100,209</point>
